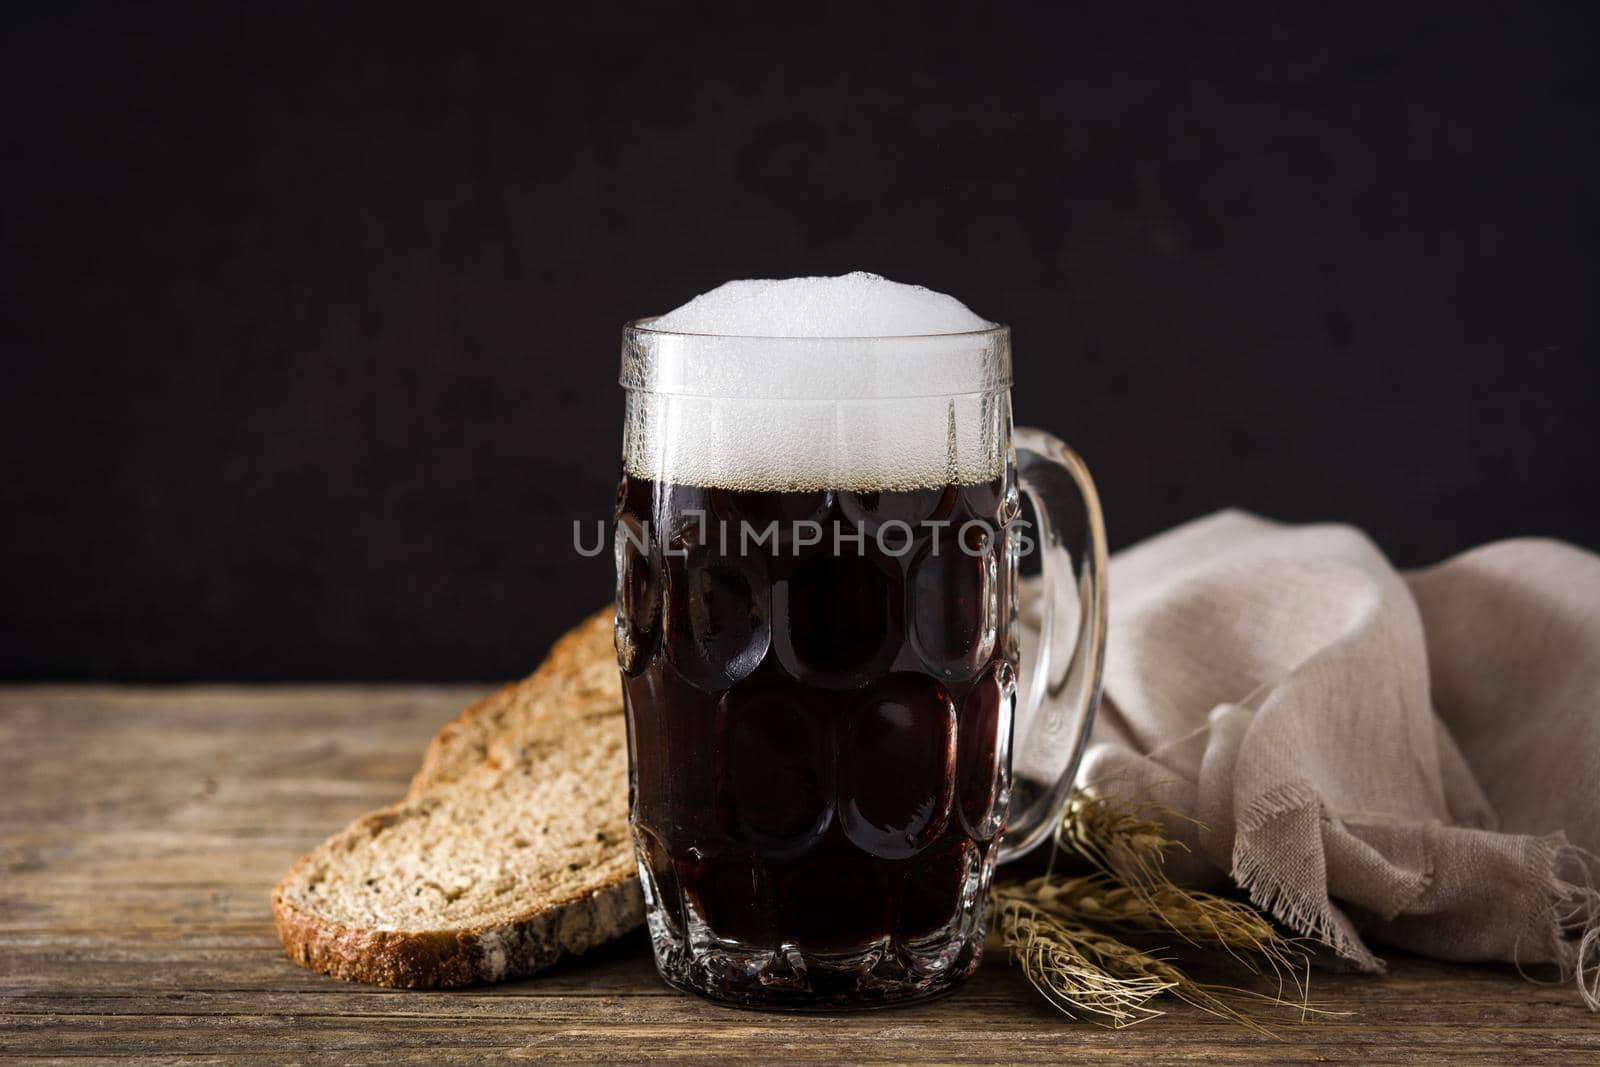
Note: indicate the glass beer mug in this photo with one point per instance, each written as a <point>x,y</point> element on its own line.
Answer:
<point>817,545</point>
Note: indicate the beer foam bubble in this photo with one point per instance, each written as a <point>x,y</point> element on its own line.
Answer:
<point>854,382</point>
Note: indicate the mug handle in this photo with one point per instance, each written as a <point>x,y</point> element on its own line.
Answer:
<point>1062,681</point>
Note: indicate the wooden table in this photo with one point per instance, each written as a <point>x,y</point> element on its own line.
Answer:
<point>141,829</point>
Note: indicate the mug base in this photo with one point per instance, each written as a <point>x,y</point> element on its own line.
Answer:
<point>788,980</point>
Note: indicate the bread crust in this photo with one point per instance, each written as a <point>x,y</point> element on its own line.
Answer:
<point>533,940</point>
<point>443,959</point>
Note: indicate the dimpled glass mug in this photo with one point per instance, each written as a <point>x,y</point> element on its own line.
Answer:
<point>817,545</point>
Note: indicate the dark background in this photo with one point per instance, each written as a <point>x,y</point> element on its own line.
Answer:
<point>311,312</point>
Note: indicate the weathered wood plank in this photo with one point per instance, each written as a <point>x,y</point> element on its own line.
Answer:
<point>141,829</point>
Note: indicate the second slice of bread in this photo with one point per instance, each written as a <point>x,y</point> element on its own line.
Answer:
<point>510,850</point>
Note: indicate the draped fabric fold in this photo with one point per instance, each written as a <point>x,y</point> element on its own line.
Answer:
<point>1376,758</point>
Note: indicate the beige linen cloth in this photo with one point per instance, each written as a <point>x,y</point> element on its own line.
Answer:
<point>1374,757</point>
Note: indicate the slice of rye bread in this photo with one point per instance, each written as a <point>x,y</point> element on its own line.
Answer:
<point>510,850</point>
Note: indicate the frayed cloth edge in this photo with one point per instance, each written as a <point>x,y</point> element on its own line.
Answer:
<point>1310,916</point>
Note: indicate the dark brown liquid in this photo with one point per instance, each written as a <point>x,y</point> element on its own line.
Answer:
<point>819,737</point>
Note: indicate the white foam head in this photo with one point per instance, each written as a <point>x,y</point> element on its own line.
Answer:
<point>813,383</point>
<point>852,305</point>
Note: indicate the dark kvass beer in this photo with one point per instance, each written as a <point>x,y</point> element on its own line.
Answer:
<point>816,554</point>
<point>819,689</point>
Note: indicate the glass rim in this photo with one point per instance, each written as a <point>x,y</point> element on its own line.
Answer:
<point>642,326</point>
<point>836,369</point>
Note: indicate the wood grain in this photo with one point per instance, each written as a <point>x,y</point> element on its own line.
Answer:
<point>141,830</point>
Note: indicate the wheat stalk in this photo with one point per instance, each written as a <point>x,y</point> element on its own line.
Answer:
<point>1061,931</point>
<point>1077,966</point>
<point>1202,919</point>
<point>1054,960</point>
